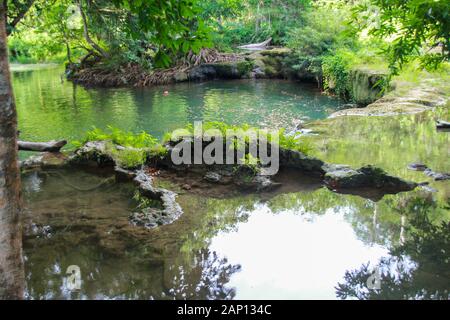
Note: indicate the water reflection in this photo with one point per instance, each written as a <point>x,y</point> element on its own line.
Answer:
<point>417,268</point>
<point>301,243</point>
<point>292,255</point>
<point>49,109</point>
<point>290,245</point>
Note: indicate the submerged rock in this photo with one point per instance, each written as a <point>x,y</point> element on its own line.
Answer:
<point>417,166</point>
<point>44,160</point>
<point>343,177</point>
<point>437,176</point>
<point>212,176</point>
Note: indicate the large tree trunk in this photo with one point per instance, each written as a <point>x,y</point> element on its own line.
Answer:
<point>11,264</point>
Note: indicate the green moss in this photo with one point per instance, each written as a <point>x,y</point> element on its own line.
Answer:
<point>276,52</point>
<point>127,158</point>
<point>244,67</point>
<point>120,137</point>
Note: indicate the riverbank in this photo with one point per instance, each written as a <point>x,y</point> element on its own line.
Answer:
<point>272,63</point>
<point>413,92</point>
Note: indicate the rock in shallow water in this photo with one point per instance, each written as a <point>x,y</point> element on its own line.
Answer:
<point>437,176</point>
<point>212,176</point>
<point>418,166</point>
<point>343,177</point>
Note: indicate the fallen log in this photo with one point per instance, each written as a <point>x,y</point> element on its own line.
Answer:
<point>50,146</point>
<point>256,46</point>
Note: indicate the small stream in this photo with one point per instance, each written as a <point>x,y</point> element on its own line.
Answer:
<point>300,242</point>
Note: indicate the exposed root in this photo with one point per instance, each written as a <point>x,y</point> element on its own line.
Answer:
<point>133,74</point>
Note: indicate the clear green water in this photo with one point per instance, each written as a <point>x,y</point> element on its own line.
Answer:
<point>51,109</point>
<point>301,242</point>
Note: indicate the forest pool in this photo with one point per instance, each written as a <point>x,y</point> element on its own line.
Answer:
<point>301,242</point>
<point>52,108</point>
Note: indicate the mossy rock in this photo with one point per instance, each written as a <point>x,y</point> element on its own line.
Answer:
<point>366,85</point>
<point>276,52</point>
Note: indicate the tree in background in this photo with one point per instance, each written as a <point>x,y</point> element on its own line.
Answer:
<point>11,264</point>
<point>415,28</point>
<point>15,12</point>
<point>150,33</point>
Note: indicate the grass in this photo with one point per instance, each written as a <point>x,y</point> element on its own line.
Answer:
<point>122,138</point>
<point>129,158</point>
<point>294,142</point>
<point>137,147</point>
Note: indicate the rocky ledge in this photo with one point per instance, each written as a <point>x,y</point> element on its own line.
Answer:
<point>162,207</point>
<point>411,101</point>
<point>339,177</point>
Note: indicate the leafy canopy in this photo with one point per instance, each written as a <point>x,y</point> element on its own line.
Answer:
<point>417,29</point>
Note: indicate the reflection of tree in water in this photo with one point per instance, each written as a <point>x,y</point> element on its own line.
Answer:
<point>205,279</point>
<point>417,269</point>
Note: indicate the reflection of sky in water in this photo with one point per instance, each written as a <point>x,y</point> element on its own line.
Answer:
<point>288,253</point>
<point>292,256</point>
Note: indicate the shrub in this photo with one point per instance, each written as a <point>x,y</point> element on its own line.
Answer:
<point>336,74</point>
<point>129,158</point>
<point>122,138</point>
<point>324,31</point>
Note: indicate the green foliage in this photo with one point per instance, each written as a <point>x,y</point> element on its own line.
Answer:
<point>129,158</point>
<point>323,32</point>
<point>415,29</point>
<point>295,142</point>
<point>172,26</point>
<point>336,74</point>
<point>35,47</point>
<point>136,146</point>
<point>158,151</point>
<point>121,31</point>
<point>122,138</point>
<point>240,22</point>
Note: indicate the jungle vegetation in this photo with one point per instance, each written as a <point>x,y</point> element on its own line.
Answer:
<point>326,35</point>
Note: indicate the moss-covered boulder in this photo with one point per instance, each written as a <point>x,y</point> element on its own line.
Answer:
<point>366,85</point>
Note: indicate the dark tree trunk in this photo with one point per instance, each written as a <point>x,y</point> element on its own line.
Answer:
<point>20,16</point>
<point>11,264</point>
